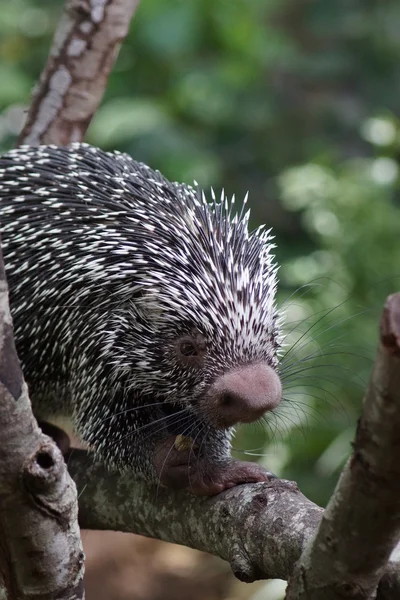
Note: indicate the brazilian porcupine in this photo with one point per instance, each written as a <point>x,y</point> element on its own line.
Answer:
<point>141,310</point>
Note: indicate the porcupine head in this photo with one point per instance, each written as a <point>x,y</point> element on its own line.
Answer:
<point>148,310</point>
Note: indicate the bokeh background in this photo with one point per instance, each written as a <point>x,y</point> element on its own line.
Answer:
<point>297,102</point>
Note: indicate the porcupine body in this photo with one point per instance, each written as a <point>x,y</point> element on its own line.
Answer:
<point>139,308</point>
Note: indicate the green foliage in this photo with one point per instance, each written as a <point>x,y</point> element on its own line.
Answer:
<point>295,102</point>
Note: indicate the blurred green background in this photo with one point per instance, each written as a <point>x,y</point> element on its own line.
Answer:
<point>296,101</point>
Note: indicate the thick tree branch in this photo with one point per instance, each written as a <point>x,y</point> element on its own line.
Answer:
<point>260,529</point>
<point>72,84</point>
<point>41,555</point>
<point>361,524</point>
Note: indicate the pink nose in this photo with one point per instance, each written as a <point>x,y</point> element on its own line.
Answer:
<point>242,395</point>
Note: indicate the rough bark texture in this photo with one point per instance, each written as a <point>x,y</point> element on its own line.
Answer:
<point>41,556</point>
<point>361,524</point>
<point>260,529</point>
<point>73,82</point>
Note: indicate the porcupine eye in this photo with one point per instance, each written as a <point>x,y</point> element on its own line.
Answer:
<point>191,350</point>
<point>188,349</point>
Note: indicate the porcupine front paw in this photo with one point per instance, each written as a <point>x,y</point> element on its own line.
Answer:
<point>179,467</point>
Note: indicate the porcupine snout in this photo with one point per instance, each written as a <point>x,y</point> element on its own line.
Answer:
<point>242,395</point>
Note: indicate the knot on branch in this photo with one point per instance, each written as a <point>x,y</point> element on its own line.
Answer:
<point>45,478</point>
<point>242,566</point>
<point>44,468</point>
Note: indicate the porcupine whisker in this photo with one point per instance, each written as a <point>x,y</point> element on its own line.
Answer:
<point>303,289</point>
<point>91,457</point>
<point>299,374</point>
<point>272,425</point>
<point>296,416</point>
<point>322,380</point>
<point>299,368</point>
<point>133,432</point>
<point>199,463</point>
<point>328,349</point>
<point>318,322</point>
<point>294,384</point>
<point>272,428</point>
<point>314,283</point>
<point>286,368</point>
<point>250,451</point>
<point>334,402</point>
<point>311,411</point>
<point>162,420</point>
<point>264,422</point>
<point>271,421</point>
<point>281,423</point>
<point>290,400</point>
<point>185,426</point>
<point>312,382</point>
<point>325,313</point>
<point>304,408</point>
<point>288,372</point>
<point>284,420</point>
<point>189,432</point>
<point>293,379</point>
<point>133,409</point>
<point>299,418</point>
<point>311,339</point>
<point>320,332</point>
<point>160,426</point>
<point>181,422</point>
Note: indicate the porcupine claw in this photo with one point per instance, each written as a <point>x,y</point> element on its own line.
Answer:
<point>215,478</point>
<point>180,468</point>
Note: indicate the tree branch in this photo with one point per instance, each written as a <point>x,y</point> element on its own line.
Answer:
<point>260,529</point>
<point>361,524</point>
<point>41,556</point>
<point>72,84</point>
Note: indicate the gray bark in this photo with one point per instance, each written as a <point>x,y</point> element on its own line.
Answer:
<point>72,84</point>
<point>260,529</point>
<point>41,555</point>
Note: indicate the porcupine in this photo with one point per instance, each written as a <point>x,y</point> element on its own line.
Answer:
<point>140,309</point>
